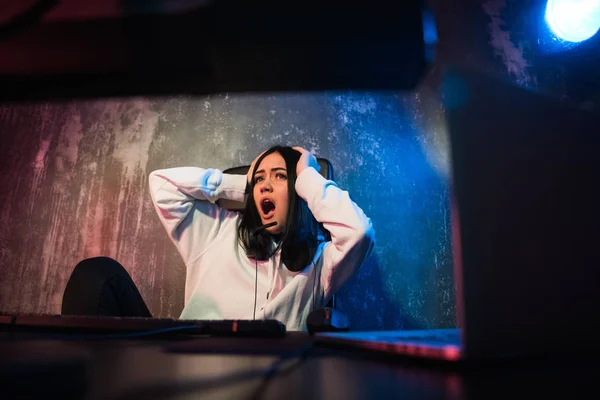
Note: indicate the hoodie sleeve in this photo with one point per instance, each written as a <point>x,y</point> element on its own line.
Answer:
<point>184,199</point>
<point>352,233</point>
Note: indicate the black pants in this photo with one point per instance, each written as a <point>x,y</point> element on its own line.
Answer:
<point>101,286</point>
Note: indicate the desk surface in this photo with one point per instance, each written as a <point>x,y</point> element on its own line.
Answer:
<point>223,368</point>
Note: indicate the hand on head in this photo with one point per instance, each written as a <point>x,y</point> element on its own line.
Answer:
<point>306,160</point>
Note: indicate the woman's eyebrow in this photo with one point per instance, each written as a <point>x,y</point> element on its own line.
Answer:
<point>272,169</point>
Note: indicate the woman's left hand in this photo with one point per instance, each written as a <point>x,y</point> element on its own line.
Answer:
<point>306,160</point>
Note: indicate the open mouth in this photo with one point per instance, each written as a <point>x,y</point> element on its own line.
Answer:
<point>267,208</point>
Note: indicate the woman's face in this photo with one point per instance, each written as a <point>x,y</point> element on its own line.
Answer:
<point>271,191</point>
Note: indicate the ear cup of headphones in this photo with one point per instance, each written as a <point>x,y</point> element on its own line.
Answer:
<point>256,241</point>
<point>304,253</point>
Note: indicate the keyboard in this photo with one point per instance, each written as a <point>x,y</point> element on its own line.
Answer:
<point>75,324</point>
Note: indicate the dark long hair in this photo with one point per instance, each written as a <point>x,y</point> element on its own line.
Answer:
<point>301,234</point>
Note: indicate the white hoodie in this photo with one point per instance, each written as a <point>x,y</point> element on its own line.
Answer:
<point>220,277</point>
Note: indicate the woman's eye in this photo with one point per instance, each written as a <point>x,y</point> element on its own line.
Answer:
<point>258,179</point>
<point>281,176</point>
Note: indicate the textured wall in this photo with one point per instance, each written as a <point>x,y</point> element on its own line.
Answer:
<point>74,179</point>
<point>74,176</point>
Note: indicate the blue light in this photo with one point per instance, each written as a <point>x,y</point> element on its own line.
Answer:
<point>573,20</point>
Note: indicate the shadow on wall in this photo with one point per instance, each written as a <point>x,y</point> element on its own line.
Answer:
<point>374,309</point>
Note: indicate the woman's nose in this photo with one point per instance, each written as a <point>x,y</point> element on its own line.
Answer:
<point>266,185</point>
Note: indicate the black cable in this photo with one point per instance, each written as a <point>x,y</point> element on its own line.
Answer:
<point>253,234</point>
<point>255,286</point>
<point>180,387</point>
<point>31,16</point>
<point>279,367</point>
<point>314,283</point>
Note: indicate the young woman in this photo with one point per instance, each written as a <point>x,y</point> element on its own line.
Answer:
<point>296,243</point>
